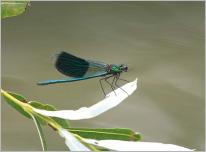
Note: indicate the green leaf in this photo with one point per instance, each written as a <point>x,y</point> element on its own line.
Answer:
<point>12,8</point>
<point>40,105</point>
<point>18,96</point>
<point>40,132</point>
<point>35,104</point>
<point>15,105</point>
<point>19,108</point>
<point>107,133</point>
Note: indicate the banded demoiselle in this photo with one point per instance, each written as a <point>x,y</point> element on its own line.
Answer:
<point>80,69</point>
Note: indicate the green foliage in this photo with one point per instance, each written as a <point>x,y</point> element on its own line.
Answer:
<point>26,108</point>
<point>48,107</point>
<point>10,8</point>
<point>40,132</point>
<point>63,123</point>
<point>107,133</point>
<point>17,106</point>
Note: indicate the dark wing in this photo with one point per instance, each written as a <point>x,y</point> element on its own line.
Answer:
<point>73,66</point>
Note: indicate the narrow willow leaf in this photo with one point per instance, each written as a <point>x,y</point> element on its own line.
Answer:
<point>19,108</point>
<point>62,122</point>
<point>112,100</point>
<point>40,133</point>
<point>15,105</point>
<point>39,105</point>
<point>72,142</point>
<point>13,8</point>
<point>107,133</point>
<point>119,145</point>
<point>18,96</point>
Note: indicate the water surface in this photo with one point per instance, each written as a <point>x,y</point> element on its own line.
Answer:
<point>161,42</point>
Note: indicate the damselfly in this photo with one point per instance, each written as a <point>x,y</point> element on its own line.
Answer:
<point>80,69</point>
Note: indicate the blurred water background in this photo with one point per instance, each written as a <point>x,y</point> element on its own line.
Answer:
<point>161,42</point>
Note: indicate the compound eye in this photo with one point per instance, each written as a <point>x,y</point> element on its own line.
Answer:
<point>126,68</point>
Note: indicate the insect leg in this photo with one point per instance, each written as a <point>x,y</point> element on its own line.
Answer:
<point>100,81</point>
<point>105,78</point>
<point>124,80</point>
<point>111,84</point>
<point>117,78</point>
<point>113,81</point>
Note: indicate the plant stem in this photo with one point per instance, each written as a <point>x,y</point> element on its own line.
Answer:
<point>40,132</point>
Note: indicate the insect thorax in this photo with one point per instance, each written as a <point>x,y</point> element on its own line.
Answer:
<point>112,68</point>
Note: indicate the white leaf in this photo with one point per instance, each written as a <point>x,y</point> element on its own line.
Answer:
<point>109,102</point>
<point>119,145</point>
<point>72,143</point>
